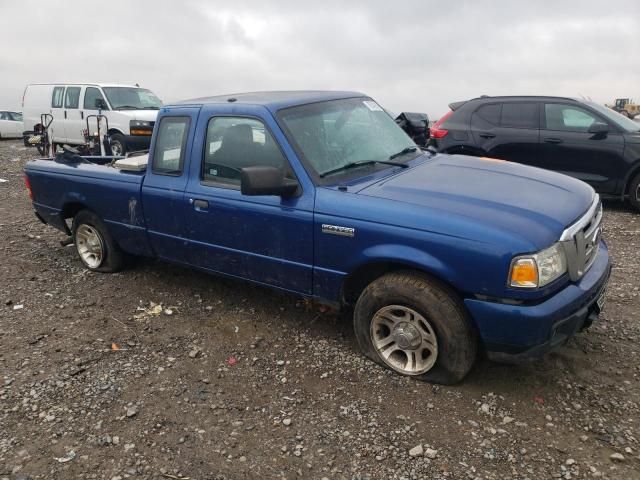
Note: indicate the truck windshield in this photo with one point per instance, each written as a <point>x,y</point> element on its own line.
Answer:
<point>129,98</point>
<point>341,138</point>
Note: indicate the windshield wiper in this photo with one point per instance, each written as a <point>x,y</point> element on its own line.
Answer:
<point>361,163</point>
<point>404,151</point>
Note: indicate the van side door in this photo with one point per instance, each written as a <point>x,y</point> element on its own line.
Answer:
<point>267,238</point>
<point>73,116</point>
<point>57,132</point>
<point>164,184</point>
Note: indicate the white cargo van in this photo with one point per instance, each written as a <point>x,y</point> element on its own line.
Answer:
<point>130,110</point>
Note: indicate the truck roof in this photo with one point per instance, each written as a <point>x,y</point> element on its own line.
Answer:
<point>273,100</point>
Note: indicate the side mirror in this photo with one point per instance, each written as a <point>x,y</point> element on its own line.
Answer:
<point>599,128</point>
<point>101,104</point>
<point>263,180</point>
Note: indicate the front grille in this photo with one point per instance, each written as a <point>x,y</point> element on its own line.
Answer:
<point>580,241</point>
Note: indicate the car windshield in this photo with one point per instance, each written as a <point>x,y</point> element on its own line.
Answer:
<point>623,122</point>
<point>347,137</point>
<point>131,98</point>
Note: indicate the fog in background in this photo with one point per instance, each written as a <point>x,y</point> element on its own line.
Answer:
<point>409,55</point>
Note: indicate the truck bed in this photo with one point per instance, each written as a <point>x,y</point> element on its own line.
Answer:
<point>61,189</point>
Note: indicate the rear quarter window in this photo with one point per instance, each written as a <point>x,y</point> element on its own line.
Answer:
<point>171,142</point>
<point>487,116</point>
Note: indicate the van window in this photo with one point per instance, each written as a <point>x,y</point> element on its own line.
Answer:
<point>519,115</point>
<point>72,98</point>
<point>56,98</point>
<point>234,143</point>
<point>168,153</point>
<point>91,94</point>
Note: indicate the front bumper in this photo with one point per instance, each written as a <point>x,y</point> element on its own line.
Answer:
<point>514,332</point>
<point>137,142</point>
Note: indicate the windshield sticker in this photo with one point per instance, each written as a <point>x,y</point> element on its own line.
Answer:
<point>373,106</point>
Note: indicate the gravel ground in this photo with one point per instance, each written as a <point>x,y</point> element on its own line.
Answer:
<point>161,372</point>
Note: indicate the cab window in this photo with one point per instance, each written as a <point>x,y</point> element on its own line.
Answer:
<point>72,97</point>
<point>171,142</point>
<point>233,143</point>
<point>92,94</point>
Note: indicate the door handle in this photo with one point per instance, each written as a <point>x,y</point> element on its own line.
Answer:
<point>553,140</point>
<point>487,135</point>
<point>199,205</point>
<point>65,114</point>
<point>81,115</point>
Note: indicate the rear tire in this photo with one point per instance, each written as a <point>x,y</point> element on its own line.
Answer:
<point>634,192</point>
<point>118,144</point>
<point>416,326</point>
<point>95,247</point>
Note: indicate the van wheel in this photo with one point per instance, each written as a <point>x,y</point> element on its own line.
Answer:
<point>415,326</point>
<point>118,145</point>
<point>94,245</point>
<point>634,192</point>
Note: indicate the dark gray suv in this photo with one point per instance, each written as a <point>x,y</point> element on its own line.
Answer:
<point>576,137</point>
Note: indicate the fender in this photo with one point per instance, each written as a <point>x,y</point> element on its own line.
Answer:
<point>333,285</point>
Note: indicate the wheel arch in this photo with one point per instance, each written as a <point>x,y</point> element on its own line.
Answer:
<point>113,131</point>
<point>70,210</point>
<point>631,174</point>
<point>361,276</point>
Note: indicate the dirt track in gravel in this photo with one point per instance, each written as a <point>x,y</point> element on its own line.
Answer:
<point>242,382</point>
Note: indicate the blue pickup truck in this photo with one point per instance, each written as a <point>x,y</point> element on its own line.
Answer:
<point>440,257</point>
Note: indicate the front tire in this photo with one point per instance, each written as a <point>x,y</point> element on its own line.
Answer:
<point>96,248</point>
<point>118,145</point>
<point>634,192</point>
<point>416,326</point>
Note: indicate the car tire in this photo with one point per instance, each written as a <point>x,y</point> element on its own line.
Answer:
<point>118,144</point>
<point>634,192</point>
<point>400,306</point>
<point>625,113</point>
<point>95,247</point>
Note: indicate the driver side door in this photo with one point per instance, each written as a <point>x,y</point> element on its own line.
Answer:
<point>266,239</point>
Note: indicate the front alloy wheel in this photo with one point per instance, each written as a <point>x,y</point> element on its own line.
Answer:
<point>404,339</point>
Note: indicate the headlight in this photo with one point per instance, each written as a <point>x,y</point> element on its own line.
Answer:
<point>538,269</point>
<point>139,123</point>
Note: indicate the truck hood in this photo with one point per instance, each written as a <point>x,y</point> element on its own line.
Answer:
<point>534,204</point>
<point>148,115</point>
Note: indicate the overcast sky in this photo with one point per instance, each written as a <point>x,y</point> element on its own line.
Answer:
<point>409,55</point>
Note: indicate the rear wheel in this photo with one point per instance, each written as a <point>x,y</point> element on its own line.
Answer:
<point>634,192</point>
<point>95,247</point>
<point>415,326</point>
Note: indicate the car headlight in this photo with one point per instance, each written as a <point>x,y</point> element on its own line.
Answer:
<point>538,269</point>
<point>139,123</point>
